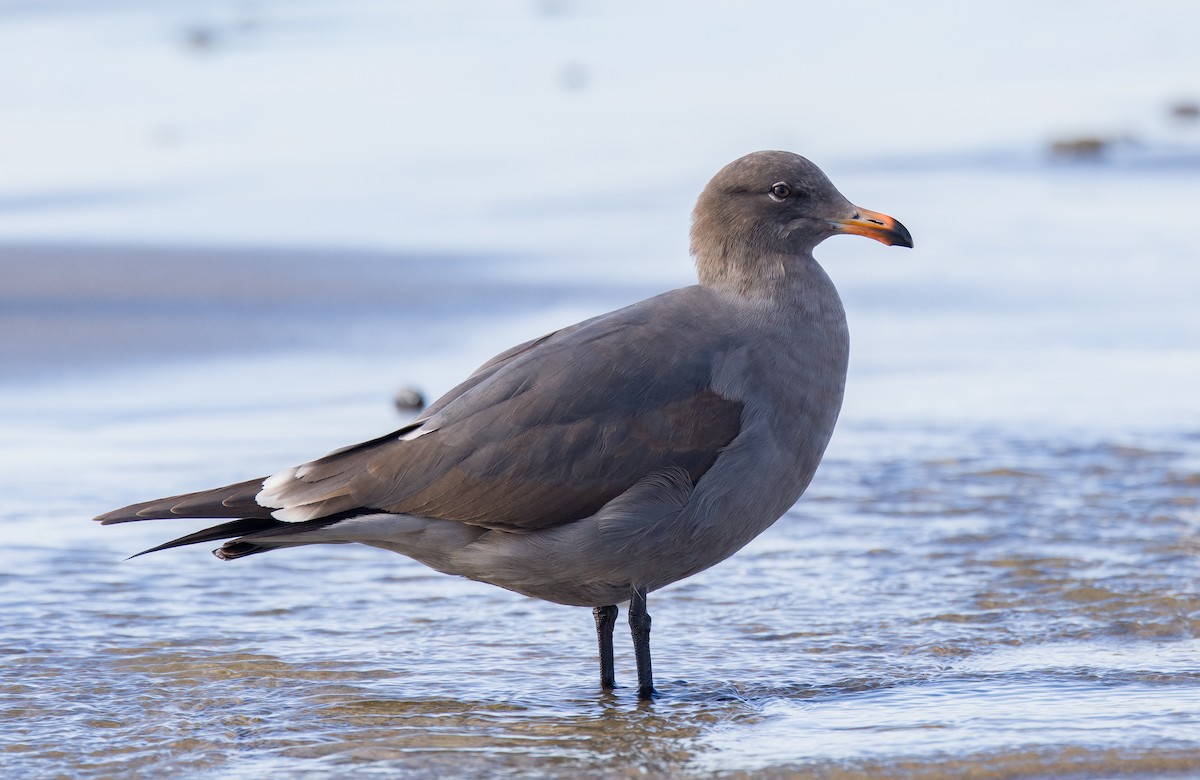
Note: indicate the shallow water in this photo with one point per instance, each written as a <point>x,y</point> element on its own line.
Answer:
<point>994,575</point>
<point>940,603</point>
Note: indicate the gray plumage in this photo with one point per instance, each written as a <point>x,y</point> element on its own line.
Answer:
<point>610,458</point>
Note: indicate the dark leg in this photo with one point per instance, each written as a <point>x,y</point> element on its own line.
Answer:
<point>639,626</point>
<point>606,618</point>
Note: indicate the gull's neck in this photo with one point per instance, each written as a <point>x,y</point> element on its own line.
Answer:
<point>776,276</point>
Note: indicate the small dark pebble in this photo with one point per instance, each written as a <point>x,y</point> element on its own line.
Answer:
<point>1085,148</point>
<point>409,399</point>
<point>200,38</point>
<point>1186,110</point>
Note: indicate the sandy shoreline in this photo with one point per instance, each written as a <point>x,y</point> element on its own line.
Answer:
<point>68,308</point>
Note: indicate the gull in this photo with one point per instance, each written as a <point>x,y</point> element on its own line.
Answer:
<point>601,462</point>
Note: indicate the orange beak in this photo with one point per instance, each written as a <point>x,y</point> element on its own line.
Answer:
<point>874,225</point>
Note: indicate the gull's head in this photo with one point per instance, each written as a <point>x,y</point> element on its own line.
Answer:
<point>777,203</point>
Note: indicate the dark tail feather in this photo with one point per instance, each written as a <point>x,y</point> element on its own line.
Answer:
<point>235,500</point>
<point>246,545</point>
<point>241,527</point>
<point>248,529</point>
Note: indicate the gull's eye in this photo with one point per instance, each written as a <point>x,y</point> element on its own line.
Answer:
<point>781,190</point>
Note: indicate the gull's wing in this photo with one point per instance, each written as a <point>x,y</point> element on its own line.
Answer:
<point>544,434</point>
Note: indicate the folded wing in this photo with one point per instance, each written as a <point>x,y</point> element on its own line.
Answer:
<point>549,436</point>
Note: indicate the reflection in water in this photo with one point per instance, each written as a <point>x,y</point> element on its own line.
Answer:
<point>1028,610</point>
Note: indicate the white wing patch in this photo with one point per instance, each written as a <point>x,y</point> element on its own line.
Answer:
<point>273,488</point>
<point>417,433</point>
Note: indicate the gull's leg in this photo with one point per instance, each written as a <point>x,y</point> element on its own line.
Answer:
<point>606,618</point>
<point>639,626</point>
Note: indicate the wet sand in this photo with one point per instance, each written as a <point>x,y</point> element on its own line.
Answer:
<point>994,574</point>
<point>70,309</point>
